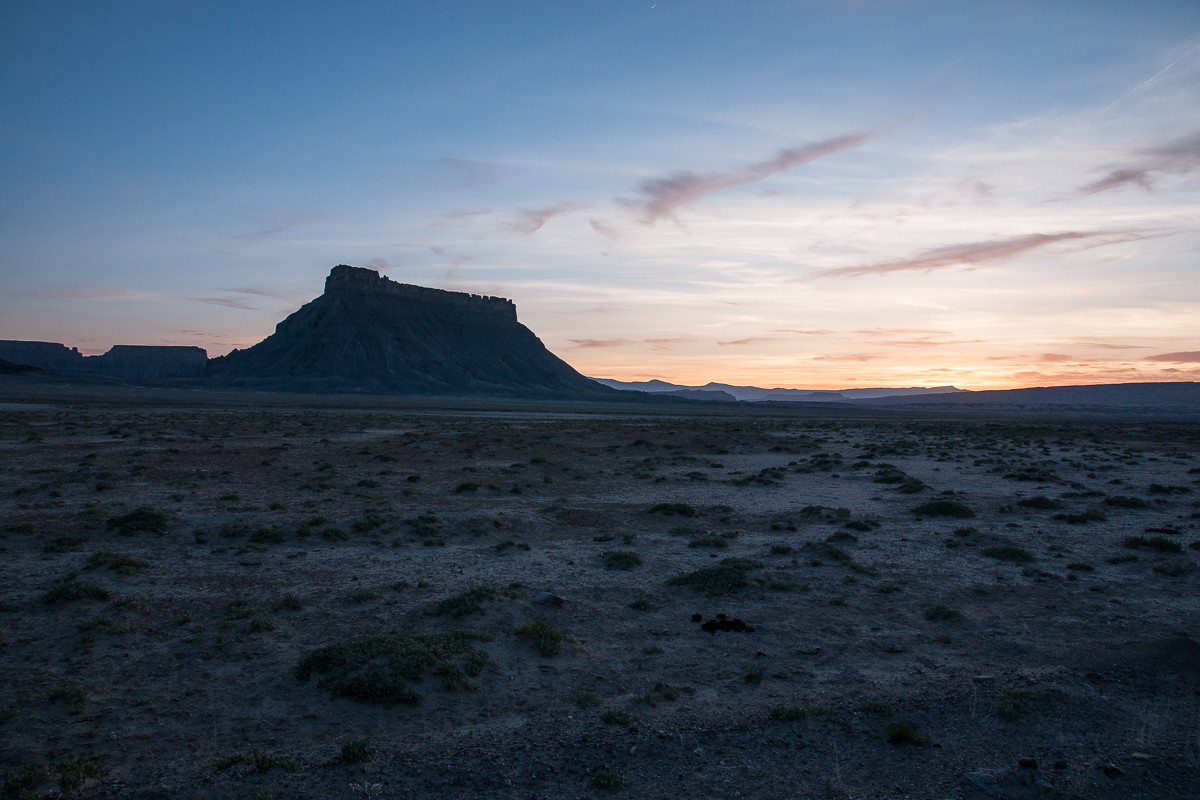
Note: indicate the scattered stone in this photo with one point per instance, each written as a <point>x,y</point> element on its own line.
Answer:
<point>1140,756</point>
<point>697,617</point>
<point>548,599</point>
<point>984,679</point>
<point>723,623</point>
<point>1023,783</point>
<point>1112,771</point>
<point>809,651</point>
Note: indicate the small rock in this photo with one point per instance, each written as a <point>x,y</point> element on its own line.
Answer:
<point>548,599</point>
<point>1140,756</point>
<point>984,679</point>
<point>808,651</point>
<point>697,617</point>
<point>1112,771</point>
<point>1060,764</point>
<point>1025,762</point>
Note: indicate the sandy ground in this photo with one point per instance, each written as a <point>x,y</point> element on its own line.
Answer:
<point>893,655</point>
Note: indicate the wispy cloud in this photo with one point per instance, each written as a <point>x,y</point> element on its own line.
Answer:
<point>254,290</point>
<point>973,253</point>
<point>603,228</point>
<point>1057,357</point>
<point>664,344</point>
<point>750,340</point>
<point>228,302</point>
<point>268,226</point>
<point>1186,357</point>
<point>531,221</point>
<point>662,197</point>
<point>472,175</point>
<point>585,344</point>
<point>1177,158</point>
<point>803,333</point>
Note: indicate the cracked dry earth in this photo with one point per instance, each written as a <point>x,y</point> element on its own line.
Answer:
<point>164,571</point>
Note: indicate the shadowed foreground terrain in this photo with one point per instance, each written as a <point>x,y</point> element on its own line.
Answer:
<point>227,602</point>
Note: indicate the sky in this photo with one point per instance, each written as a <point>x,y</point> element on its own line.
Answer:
<point>820,194</point>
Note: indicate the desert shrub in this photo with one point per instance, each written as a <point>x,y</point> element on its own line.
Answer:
<point>261,624</point>
<point>888,588</point>
<point>667,509</point>
<point>1158,488</point>
<point>1015,704</point>
<point>375,669</point>
<point>69,774</point>
<point>260,762</point>
<point>1041,503</point>
<point>965,531</point>
<point>121,564</point>
<point>904,731</point>
<point>290,602</point>
<point>1079,566</point>
<point>718,542</point>
<point>363,596</point>
<point>942,613</point>
<point>608,778</point>
<point>780,549</point>
<point>1129,559</point>
<point>615,716</point>
<point>356,751</point>
<point>240,609</point>
<point>842,536</point>
<point>368,522</point>
<point>64,544</point>
<point>144,519</point>
<point>507,543</point>
<point>466,486</point>
<point>1159,544</point>
<point>882,707</point>
<point>640,604</point>
<point>1009,552</point>
<point>1175,570</point>
<point>859,525</point>
<point>754,674</point>
<point>1124,501</point>
<point>469,602</point>
<point>269,535</point>
<point>546,639</point>
<point>1090,515</point>
<point>944,508</point>
<point>584,698</point>
<point>68,589</point>
<point>621,559</point>
<point>785,712</point>
<point>727,577</point>
<point>75,695</point>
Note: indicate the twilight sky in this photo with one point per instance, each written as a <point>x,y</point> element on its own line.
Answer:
<point>808,194</point>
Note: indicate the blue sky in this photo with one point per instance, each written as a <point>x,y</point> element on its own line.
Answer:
<point>809,194</point>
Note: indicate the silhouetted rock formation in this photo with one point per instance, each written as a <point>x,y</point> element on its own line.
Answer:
<point>123,361</point>
<point>370,334</point>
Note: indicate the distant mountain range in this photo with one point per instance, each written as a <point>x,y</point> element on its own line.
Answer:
<point>754,394</point>
<point>1183,396</point>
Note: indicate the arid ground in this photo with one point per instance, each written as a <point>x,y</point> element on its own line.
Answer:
<point>206,602</point>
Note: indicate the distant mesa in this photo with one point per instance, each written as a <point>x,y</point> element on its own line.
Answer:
<point>367,333</point>
<point>126,362</point>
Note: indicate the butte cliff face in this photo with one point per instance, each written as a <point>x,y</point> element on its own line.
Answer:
<point>128,362</point>
<point>370,334</point>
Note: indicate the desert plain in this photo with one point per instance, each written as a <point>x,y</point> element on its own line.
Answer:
<point>507,601</point>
